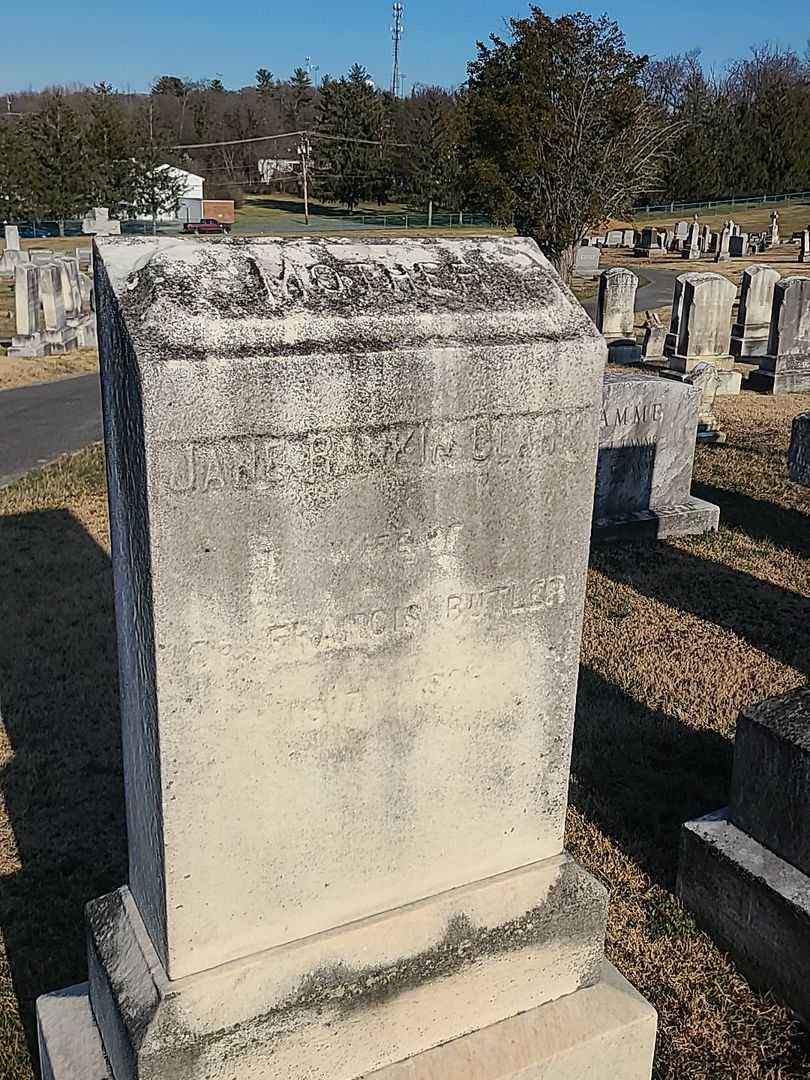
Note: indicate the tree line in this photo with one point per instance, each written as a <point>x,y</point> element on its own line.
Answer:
<point>558,127</point>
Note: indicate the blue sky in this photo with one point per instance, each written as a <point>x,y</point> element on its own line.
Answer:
<point>50,42</point>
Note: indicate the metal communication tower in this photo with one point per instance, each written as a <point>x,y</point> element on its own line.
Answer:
<point>396,34</point>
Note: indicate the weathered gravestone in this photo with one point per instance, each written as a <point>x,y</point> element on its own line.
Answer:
<point>738,246</point>
<point>749,335</point>
<point>99,223</point>
<point>616,313</point>
<point>799,452</point>
<point>28,338</point>
<point>646,453</point>
<point>12,255</point>
<point>804,246</point>
<point>649,244</point>
<point>786,367</point>
<point>723,244</point>
<point>350,489</point>
<point>745,871</point>
<point>703,305</point>
<point>655,335</point>
<point>586,260</point>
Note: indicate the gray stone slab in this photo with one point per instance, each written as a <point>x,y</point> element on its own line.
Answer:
<point>646,454</point>
<point>70,1045</point>
<point>799,451</point>
<point>781,375</point>
<point>604,1029</point>
<point>340,616</point>
<point>754,904</point>
<point>770,786</point>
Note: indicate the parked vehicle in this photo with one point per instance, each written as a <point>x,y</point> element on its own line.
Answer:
<point>207,225</point>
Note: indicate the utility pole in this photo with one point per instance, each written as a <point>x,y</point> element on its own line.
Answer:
<point>396,34</point>
<point>304,150</point>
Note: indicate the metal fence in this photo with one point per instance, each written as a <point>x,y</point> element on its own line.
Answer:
<point>741,201</point>
<point>420,221</point>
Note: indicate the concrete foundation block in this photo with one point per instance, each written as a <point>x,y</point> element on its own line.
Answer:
<point>605,1030</point>
<point>752,903</point>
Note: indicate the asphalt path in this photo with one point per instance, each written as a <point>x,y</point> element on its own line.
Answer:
<point>39,423</point>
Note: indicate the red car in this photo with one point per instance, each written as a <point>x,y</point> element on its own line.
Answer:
<point>207,225</point>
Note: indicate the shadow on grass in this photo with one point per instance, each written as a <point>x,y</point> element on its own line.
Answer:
<point>772,619</point>
<point>63,786</point>
<point>639,773</point>
<point>762,520</point>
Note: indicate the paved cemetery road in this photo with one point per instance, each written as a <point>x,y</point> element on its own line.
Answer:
<point>655,294</point>
<point>38,423</point>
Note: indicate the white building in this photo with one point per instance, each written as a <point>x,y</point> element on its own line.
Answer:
<point>190,206</point>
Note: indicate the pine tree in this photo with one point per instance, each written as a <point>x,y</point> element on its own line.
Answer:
<point>60,176</point>
<point>264,81</point>
<point>109,143</point>
<point>349,165</point>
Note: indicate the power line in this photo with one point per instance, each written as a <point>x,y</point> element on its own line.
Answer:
<point>288,135</point>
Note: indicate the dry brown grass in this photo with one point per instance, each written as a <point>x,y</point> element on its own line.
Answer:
<point>677,637</point>
<point>23,371</point>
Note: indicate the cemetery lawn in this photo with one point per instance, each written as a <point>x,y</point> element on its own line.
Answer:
<point>792,217</point>
<point>678,636</point>
<point>23,370</point>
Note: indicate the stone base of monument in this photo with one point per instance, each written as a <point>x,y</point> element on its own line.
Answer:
<point>624,352</point>
<point>689,518</point>
<point>710,433</point>
<point>28,345</point>
<point>729,382</point>
<point>607,1029</point>
<point>747,347</point>
<point>781,375</point>
<point>358,1000</point>
<point>649,253</point>
<point>754,904</point>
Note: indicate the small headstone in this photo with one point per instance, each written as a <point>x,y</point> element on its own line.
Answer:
<point>52,297</point>
<point>799,452</point>
<point>804,246</point>
<point>786,367</point>
<point>706,378</point>
<point>615,238</point>
<point>655,334</point>
<point>586,260</point>
<point>692,245</point>
<point>738,246</point>
<point>646,453</point>
<point>629,238</point>
<point>706,235</point>
<point>12,238</point>
<point>773,230</point>
<point>723,246</point>
<point>681,230</point>
<point>348,646</point>
<point>71,286</point>
<point>99,223</point>
<point>749,335</point>
<point>744,872</point>
<point>616,313</point>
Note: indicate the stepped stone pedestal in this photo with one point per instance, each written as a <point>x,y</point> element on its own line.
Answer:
<point>744,871</point>
<point>350,490</point>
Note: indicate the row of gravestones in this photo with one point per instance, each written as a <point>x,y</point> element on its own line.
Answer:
<point>53,299</point>
<point>772,329</point>
<point>693,241</point>
<point>351,490</point>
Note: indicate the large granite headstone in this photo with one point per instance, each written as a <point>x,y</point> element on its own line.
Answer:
<point>646,454</point>
<point>351,486</point>
<point>749,335</point>
<point>786,367</point>
<point>704,303</point>
<point>799,452</point>
<point>744,871</point>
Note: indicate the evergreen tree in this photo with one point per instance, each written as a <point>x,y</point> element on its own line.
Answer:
<point>264,81</point>
<point>349,164</point>
<point>109,140</point>
<point>59,172</point>
<point>559,135</point>
<point>432,162</point>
